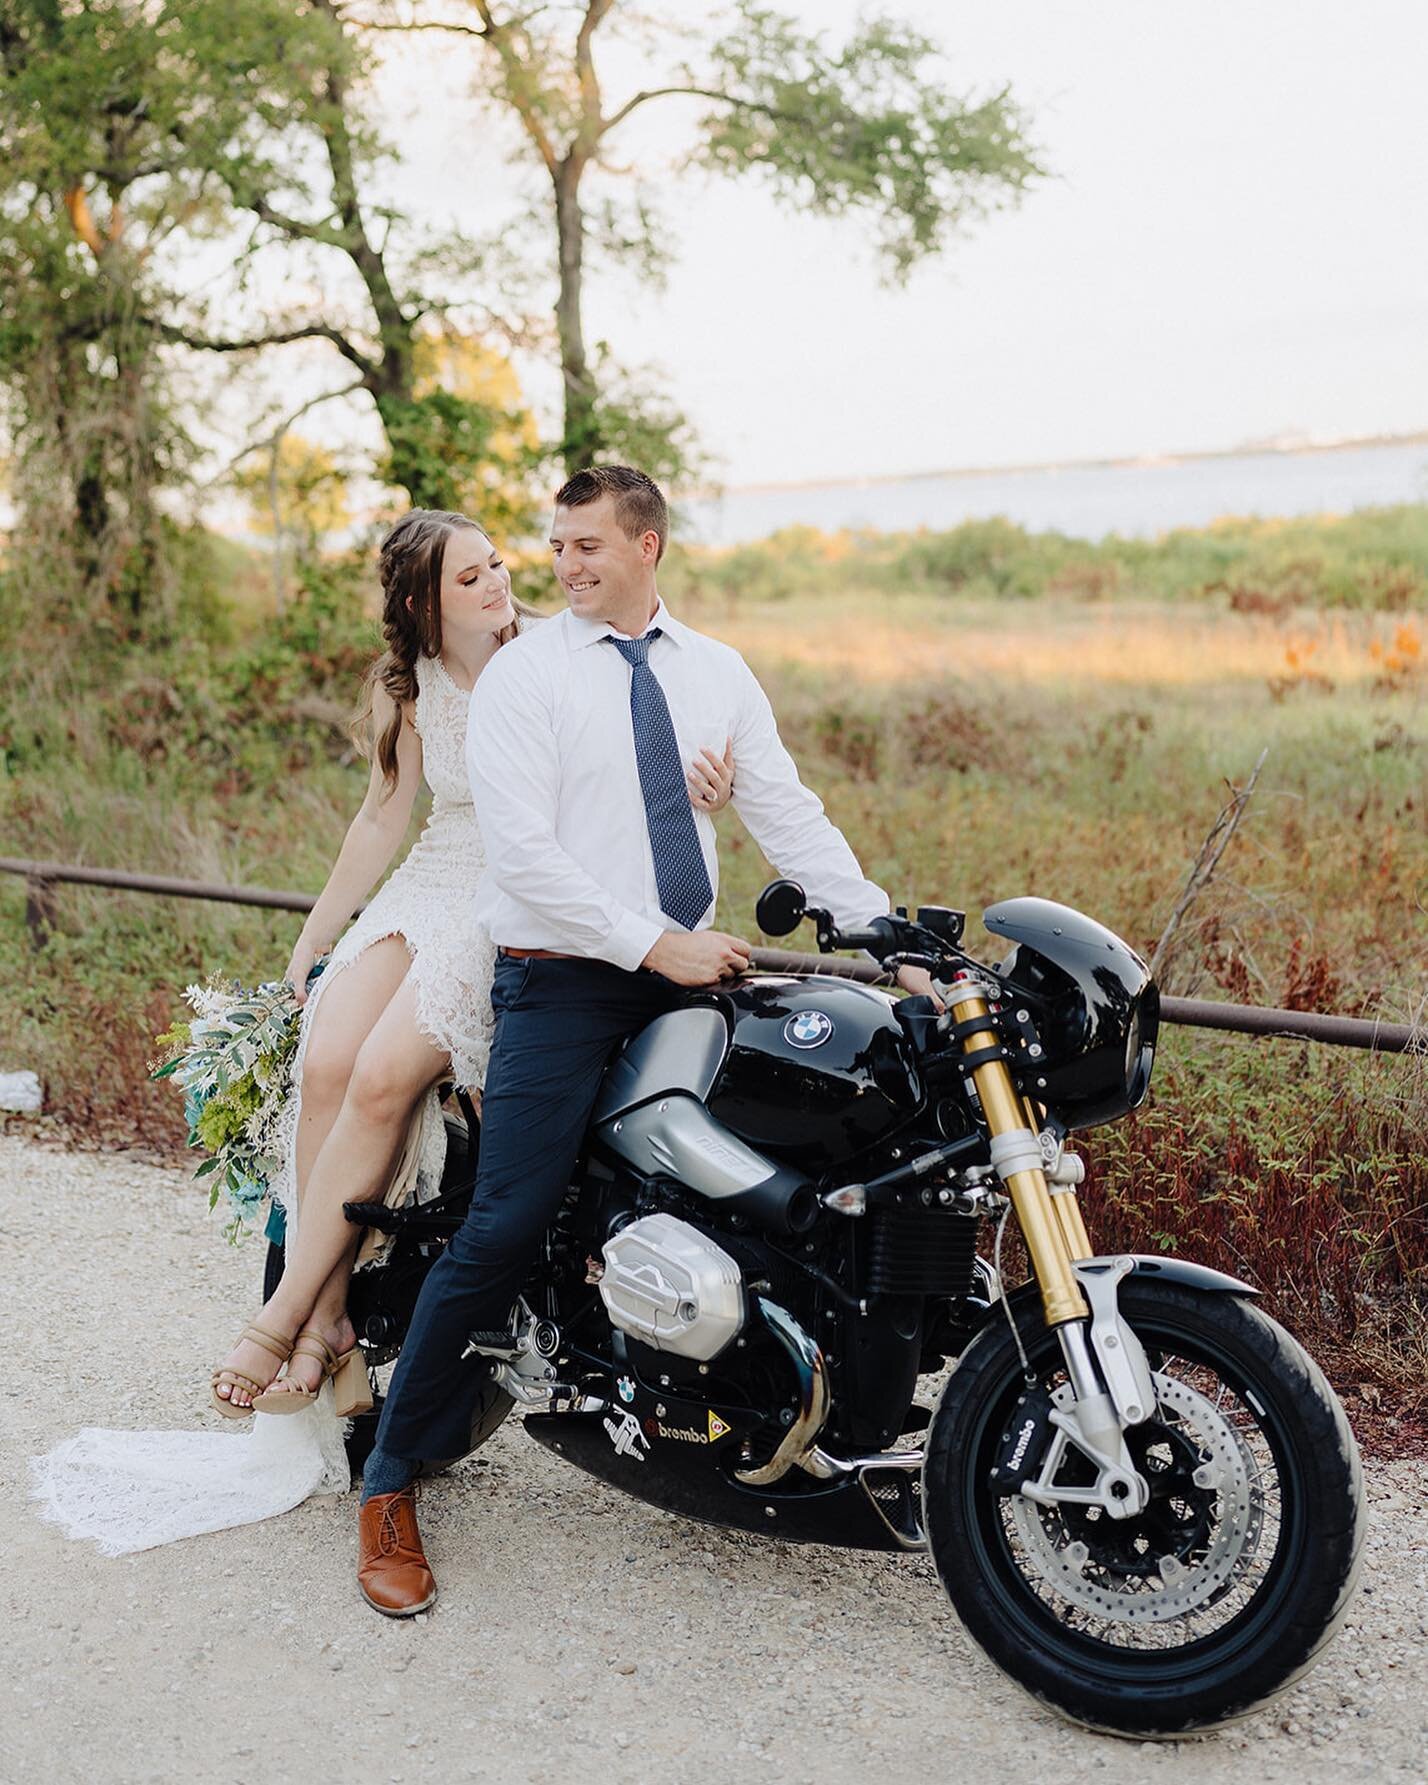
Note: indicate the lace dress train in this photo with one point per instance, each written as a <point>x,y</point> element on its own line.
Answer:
<point>128,1491</point>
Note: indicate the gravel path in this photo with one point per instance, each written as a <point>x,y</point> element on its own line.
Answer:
<point>580,1635</point>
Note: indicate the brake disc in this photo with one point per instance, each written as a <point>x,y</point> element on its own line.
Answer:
<point>1222,1531</point>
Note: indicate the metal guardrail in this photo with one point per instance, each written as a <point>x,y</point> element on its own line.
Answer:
<point>41,877</point>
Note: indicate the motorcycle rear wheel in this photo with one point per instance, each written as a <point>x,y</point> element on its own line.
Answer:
<point>1230,1584</point>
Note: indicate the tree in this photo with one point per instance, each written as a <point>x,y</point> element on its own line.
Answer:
<point>492,480</point>
<point>295,164</point>
<point>87,107</point>
<point>867,128</point>
<point>297,492</point>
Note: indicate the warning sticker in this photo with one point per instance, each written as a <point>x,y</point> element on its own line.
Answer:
<point>717,1427</point>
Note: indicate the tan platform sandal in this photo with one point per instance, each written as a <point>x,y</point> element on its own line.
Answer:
<point>255,1335</point>
<point>348,1375</point>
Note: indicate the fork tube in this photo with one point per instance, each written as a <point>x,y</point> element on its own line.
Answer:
<point>1047,1233</point>
<point>1064,1200</point>
<point>1066,1206</point>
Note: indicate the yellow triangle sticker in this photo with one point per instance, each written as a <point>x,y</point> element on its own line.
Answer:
<point>717,1427</point>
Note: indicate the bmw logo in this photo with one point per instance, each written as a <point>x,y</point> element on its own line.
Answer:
<point>810,1028</point>
<point>627,1390</point>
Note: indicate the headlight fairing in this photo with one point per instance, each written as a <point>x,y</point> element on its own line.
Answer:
<point>1098,1010</point>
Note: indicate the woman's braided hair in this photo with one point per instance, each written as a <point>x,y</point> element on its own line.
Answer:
<point>409,563</point>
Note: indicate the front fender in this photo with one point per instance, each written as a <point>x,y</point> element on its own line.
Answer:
<point>1147,1264</point>
<point>1193,1276</point>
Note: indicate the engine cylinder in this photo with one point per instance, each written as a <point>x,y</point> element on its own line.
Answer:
<point>670,1285</point>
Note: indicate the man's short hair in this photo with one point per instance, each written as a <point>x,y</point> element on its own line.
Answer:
<point>640,506</point>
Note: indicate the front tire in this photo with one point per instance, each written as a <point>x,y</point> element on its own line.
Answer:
<point>1225,1590</point>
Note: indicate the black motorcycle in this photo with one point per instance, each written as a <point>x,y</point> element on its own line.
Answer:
<point>1140,1494</point>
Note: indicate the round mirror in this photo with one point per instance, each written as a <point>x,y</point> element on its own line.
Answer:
<point>780,908</point>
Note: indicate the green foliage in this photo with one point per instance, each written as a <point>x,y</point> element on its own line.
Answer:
<point>441,451</point>
<point>993,554</point>
<point>633,422</point>
<point>233,1066</point>
<point>94,100</point>
<point>133,131</point>
<point>869,128</point>
<point>1374,560</point>
<point>308,486</point>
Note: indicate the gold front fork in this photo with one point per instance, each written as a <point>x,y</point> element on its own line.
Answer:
<point>1050,1222</point>
<point>1067,1205</point>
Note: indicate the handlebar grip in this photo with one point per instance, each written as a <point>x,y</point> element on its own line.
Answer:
<point>880,937</point>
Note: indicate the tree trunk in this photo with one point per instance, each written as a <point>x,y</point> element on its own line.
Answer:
<point>392,379</point>
<point>581,443</point>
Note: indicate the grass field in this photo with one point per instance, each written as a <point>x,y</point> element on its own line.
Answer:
<point>974,743</point>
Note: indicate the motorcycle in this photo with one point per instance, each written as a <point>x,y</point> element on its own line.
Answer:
<point>1140,1494</point>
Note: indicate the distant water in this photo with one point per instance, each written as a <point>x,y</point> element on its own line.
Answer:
<point>1087,501</point>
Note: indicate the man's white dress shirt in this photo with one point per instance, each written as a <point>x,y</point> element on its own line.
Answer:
<point>551,755</point>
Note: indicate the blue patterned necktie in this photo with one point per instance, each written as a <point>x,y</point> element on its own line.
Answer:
<point>683,881</point>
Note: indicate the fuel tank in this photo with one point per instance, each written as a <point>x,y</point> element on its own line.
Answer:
<point>817,1069</point>
<point>652,1113</point>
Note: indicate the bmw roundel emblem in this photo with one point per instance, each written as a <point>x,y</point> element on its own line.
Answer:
<point>810,1028</point>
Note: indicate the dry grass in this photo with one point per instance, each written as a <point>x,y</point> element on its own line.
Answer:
<point>1104,644</point>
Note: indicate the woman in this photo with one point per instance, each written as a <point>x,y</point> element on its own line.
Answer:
<point>405,1000</point>
<point>403,1003</point>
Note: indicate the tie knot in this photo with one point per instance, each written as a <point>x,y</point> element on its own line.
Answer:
<point>635,651</point>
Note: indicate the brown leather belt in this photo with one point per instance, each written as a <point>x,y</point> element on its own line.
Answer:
<point>537,954</point>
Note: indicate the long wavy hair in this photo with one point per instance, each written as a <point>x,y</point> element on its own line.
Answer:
<point>410,563</point>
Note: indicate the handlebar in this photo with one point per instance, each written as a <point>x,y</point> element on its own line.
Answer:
<point>931,936</point>
<point>934,932</point>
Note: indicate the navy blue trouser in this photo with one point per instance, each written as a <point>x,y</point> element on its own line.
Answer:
<point>557,1024</point>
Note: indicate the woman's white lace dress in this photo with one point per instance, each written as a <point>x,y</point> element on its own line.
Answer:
<point>130,1491</point>
<point>428,902</point>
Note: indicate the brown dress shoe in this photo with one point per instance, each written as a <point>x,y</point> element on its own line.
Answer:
<point>392,1571</point>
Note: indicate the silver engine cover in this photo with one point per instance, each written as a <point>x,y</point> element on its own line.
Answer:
<point>671,1286</point>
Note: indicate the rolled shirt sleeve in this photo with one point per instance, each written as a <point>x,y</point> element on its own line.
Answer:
<point>514,770</point>
<point>787,820</point>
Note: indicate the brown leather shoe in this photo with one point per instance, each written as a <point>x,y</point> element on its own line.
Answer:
<point>392,1572</point>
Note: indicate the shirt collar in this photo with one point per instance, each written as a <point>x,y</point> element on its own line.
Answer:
<point>590,632</point>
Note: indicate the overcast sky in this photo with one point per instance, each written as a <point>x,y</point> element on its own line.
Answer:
<point>1232,246</point>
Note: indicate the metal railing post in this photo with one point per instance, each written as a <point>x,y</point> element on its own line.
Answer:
<point>39,909</point>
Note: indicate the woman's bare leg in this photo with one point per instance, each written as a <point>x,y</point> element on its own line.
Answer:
<point>351,1006</point>
<point>331,1305</point>
<point>395,1067</point>
<point>350,1009</point>
<point>352,1022</point>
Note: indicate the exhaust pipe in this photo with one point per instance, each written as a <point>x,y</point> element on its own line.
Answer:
<point>814,1400</point>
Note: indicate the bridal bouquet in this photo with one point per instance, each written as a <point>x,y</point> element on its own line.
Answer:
<point>233,1063</point>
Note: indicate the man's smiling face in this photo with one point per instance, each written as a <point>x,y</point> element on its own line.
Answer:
<point>605,574</point>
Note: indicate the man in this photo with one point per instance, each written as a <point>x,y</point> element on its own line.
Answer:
<point>600,876</point>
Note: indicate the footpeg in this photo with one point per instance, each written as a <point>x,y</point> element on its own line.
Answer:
<point>414,1222</point>
<point>506,1346</point>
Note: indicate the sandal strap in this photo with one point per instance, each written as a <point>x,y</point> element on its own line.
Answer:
<point>311,1344</point>
<point>256,1335</point>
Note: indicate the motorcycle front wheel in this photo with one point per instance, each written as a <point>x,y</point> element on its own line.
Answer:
<point>1224,1590</point>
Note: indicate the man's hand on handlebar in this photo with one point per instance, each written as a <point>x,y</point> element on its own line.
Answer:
<point>701,957</point>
